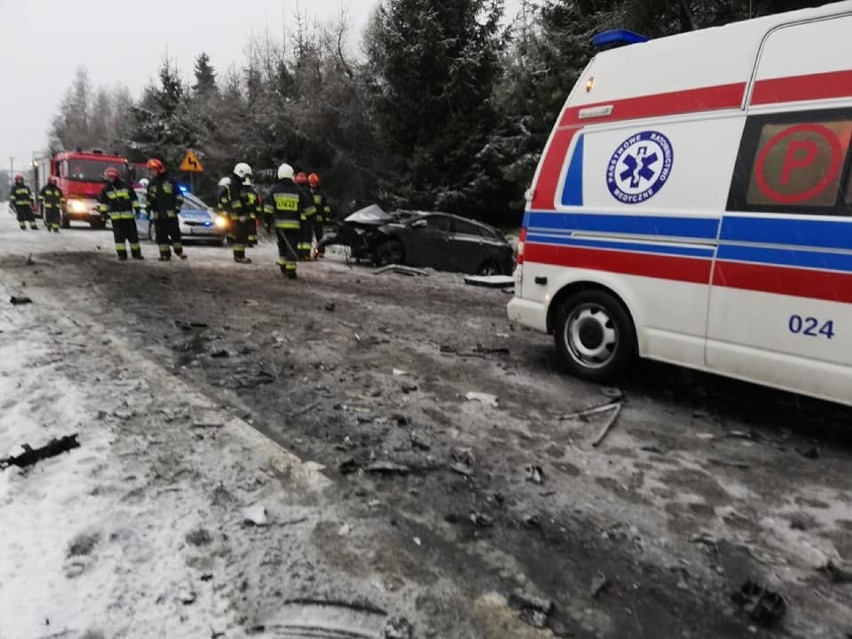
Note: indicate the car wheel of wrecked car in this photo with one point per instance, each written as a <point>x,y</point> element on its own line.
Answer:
<point>390,252</point>
<point>489,268</point>
<point>594,335</point>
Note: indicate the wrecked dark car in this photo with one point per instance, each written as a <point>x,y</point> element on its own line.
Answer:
<point>441,241</point>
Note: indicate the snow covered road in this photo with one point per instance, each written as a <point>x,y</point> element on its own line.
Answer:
<point>412,493</point>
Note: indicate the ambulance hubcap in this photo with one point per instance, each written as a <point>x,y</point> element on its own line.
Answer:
<point>591,336</point>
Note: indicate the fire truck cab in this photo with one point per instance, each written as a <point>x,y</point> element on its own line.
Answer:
<point>80,176</point>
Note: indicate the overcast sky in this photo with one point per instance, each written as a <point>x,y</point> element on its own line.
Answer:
<point>42,42</point>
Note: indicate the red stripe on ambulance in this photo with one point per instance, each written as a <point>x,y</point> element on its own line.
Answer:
<point>805,283</point>
<point>801,88</point>
<point>724,96</point>
<point>683,269</point>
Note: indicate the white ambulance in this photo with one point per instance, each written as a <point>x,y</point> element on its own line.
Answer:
<point>693,205</point>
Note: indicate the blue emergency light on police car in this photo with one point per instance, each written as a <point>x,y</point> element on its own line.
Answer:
<point>617,38</point>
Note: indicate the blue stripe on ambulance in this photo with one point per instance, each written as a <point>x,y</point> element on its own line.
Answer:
<point>798,243</point>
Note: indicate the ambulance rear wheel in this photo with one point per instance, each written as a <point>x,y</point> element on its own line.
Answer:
<point>595,336</point>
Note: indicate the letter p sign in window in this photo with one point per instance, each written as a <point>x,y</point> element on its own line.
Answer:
<point>799,164</point>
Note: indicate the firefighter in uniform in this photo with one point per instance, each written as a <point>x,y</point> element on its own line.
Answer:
<point>119,201</point>
<point>285,208</point>
<point>223,204</point>
<point>323,214</point>
<point>21,200</point>
<point>164,202</point>
<point>244,207</point>
<point>304,246</point>
<point>52,200</point>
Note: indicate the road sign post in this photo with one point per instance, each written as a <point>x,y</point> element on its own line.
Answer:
<point>192,165</point>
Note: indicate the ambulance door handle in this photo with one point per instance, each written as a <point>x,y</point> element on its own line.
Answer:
<point>541,280</point>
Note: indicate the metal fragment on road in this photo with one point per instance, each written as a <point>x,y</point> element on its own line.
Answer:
<point>20,299</point>
<point>401,270</point>
<point>596,410</point>
<point>608,426</point>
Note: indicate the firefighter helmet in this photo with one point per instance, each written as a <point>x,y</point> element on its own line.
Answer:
<point>225,181</point>
<point>285,172</point>
<point>313,179</point>
<point>144,183</point>
<point>242,171</point>
<point>301,178</point>
<point>51,179</point>
<point>111,173</point>
<point>19,179</point>
<point>156,166</point>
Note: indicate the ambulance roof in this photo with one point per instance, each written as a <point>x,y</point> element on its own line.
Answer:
<point>711,57</point>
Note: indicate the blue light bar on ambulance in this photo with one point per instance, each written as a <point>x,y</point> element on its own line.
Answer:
<point>617,38</point>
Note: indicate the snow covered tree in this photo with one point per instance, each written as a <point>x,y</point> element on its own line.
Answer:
<point>433,70</point>
<point>205,76</point>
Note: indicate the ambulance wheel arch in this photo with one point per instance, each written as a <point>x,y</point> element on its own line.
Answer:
<point>594,331</point>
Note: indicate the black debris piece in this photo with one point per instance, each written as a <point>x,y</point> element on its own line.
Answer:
<point>20,299</point>
<point>398,628</point>
<point>809,453</point>
<point>653,449</point>
<point>408,388</point>
<point>330,307</point>
<point>491,350</point>
<point>762,605</point>
<point>533,610</point>
<point>206,577</point>
<point>387,468</point>
<point>838,575</point>
<point>220,354</point>
<point>348,466</point>
<point>400,419</point>
<point>31,455</point>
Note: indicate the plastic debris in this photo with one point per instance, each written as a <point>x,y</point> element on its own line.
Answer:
<point>255,515</point>
<point>482,398</point>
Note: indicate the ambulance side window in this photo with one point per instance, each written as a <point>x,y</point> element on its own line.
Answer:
<point>794,163</point>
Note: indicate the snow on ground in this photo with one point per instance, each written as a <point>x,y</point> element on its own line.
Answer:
<point>140,531</point>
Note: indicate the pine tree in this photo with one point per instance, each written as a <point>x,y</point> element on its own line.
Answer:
<point>205,76</point>
<point>434,68</point>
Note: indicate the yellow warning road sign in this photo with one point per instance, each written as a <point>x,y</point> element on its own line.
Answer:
<point>190,163</point>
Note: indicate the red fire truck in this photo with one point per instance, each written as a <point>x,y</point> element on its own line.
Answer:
<point>80,176</point>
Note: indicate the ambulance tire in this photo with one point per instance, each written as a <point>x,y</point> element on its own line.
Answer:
<point>595,336</point>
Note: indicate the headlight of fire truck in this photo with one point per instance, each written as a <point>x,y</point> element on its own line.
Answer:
<point>221,221</point>
<point>77,206</point>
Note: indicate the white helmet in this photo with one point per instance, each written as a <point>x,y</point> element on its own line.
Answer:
<point>242,171</point>
<point>143,182</point>
<point>225,181</point>
<point>285,172</point>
